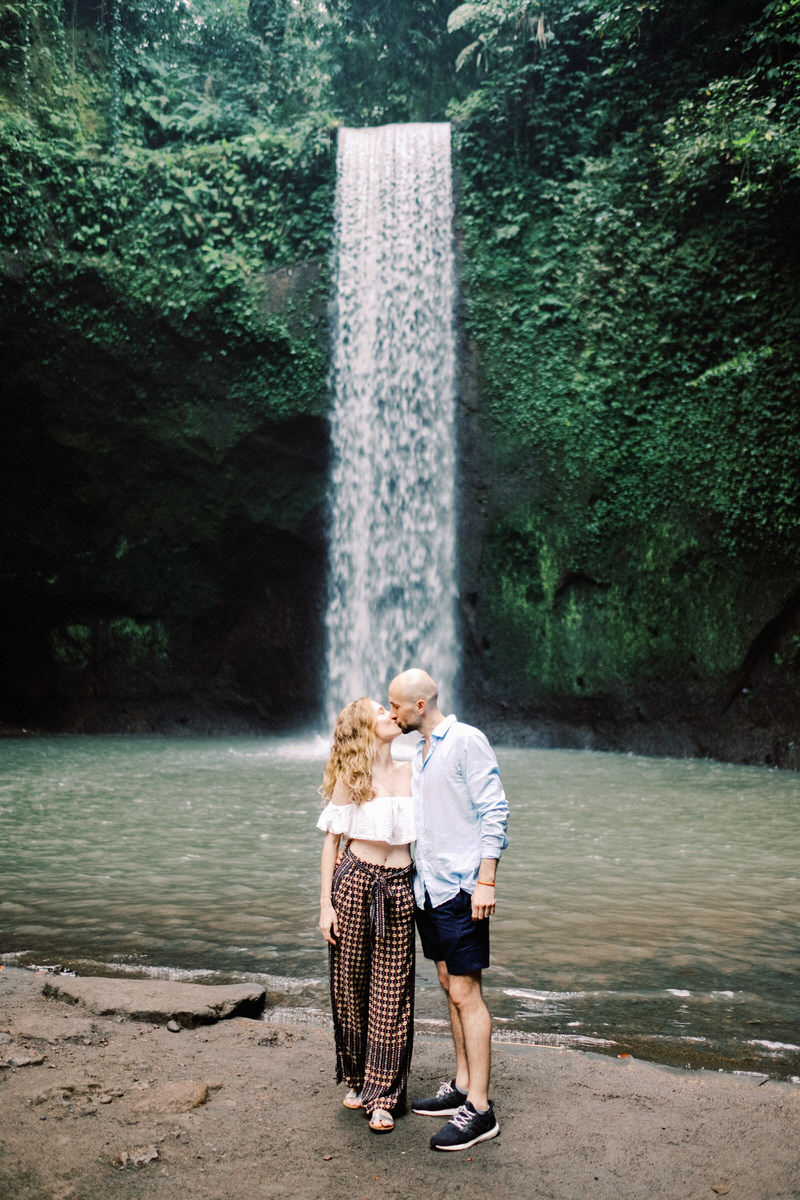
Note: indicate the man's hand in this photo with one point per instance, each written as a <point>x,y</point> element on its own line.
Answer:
<point>482,902</point>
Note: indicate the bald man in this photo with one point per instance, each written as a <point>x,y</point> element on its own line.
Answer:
<point>461,815</point>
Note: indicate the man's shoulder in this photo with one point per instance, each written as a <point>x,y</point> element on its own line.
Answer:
<point>466,732</point>
<point>467,741</point>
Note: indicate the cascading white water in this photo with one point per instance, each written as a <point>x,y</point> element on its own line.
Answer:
<point>392,523</point>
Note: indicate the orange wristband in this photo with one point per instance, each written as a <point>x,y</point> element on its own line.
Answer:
<point>483,883</point>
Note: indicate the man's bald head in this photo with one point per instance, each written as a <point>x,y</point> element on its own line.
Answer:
<point>415,684</point>
<point>414,701</point>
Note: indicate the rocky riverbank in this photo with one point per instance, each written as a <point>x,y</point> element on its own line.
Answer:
<point>139,1089</point>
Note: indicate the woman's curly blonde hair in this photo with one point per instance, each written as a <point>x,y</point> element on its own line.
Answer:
<point>352,752</point>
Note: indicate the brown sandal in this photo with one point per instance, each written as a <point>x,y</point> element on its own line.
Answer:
<point>381,1121</point>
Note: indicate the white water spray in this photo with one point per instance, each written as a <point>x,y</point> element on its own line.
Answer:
<point>392,527</point>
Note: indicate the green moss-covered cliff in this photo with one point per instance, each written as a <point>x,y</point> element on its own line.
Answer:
<point>631,291</point>
<point>628,186</point>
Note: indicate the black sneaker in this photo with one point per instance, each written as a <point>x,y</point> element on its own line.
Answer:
<point>466,1128</point>
<point>448,1100</point>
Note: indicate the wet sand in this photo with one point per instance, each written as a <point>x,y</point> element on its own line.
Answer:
<point>97,1106</point>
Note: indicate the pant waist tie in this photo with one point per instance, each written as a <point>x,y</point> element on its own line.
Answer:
<point>379,896</point>
<point>377,906</point>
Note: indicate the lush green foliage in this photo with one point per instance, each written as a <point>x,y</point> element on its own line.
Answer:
<point>630,208</point>
<point>153,154</point>
<point>187,150</point>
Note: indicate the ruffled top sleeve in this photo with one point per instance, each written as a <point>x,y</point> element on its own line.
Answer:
<point>383,819</point>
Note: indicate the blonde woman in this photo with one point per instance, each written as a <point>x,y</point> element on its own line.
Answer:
<point>366,910</point>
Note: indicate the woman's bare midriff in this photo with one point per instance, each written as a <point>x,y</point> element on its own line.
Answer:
<point>380,854</point>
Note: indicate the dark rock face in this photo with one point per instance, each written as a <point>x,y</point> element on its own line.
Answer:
<point>164,561</point>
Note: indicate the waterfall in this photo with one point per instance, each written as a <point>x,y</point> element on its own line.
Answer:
<point>392,568</point>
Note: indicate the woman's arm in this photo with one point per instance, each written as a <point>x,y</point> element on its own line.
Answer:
<point>327,913</point>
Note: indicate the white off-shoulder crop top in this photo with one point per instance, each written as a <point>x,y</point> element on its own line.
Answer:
<point>382,819</point>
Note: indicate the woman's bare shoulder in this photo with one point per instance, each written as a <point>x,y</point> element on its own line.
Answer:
<point>341,795</point>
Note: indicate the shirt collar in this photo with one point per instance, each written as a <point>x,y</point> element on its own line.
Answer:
<point>444,725</point>
<point>439,732</point>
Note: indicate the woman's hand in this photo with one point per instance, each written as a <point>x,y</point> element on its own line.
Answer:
<point>328,923</point>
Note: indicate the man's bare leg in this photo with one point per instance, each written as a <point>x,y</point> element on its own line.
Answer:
<point>472,1034</point>
<point>462,1066</point>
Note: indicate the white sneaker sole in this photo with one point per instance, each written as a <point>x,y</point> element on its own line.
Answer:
<point>436,1112</point>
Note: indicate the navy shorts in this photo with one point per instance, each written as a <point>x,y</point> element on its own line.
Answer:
<point>449,934</point>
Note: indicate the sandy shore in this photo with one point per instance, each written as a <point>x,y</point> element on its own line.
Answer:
<point>94,1106</point>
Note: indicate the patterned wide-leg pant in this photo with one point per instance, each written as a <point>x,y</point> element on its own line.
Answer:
<point>372,980</point>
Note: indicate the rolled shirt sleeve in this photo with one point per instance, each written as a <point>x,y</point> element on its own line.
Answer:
<point>487,794</point>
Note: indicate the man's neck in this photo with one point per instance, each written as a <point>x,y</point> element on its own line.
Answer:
<point>432,718</point>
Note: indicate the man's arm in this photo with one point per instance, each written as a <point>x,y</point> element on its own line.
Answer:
<point>486,793</point>
<point>489,798</point>
<point>483,896</point>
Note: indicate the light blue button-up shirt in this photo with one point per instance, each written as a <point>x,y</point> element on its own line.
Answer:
<point>460,809</point>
